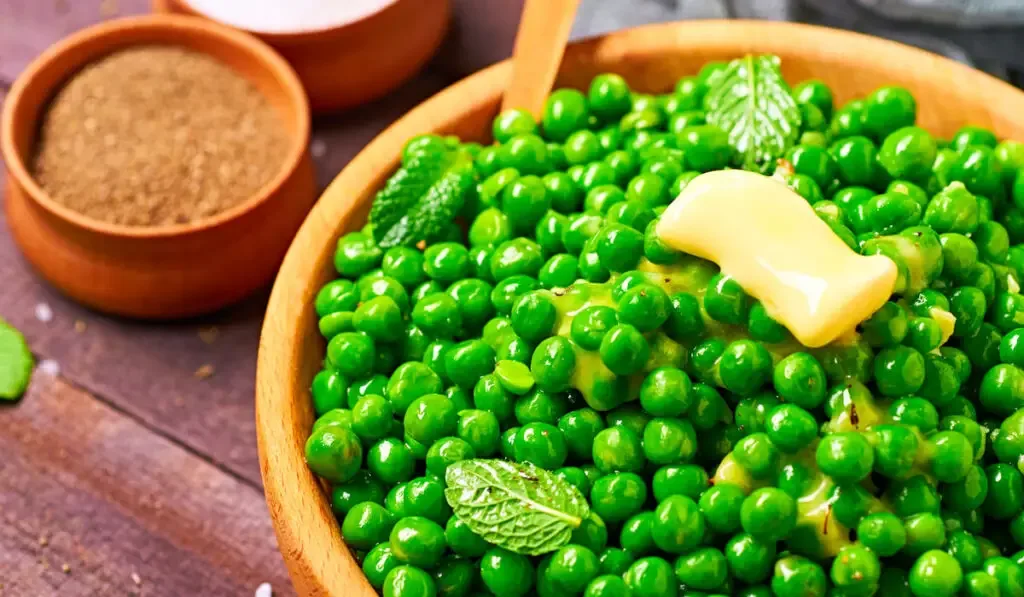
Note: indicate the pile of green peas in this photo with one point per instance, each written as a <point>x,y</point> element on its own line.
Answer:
<point>719,456</point>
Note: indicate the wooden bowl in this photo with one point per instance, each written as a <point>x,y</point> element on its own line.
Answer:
<point>652,59</point>
<point>351,64</point>
<point>167,271</point>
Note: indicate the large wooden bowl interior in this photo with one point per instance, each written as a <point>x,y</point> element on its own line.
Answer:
<point>652,59</point>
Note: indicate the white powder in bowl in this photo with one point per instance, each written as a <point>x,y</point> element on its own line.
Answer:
<point>287,16</point>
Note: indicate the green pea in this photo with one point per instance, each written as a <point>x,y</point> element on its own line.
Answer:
<point>424,497</point>
<point>685,321</point>
<point>726,301</point>
<point>795,576</point>
<point>887,109</point>
<point>462,540</point>
<point>565,196</point>
<point>390,460</point>
<point>899,370</point>
<point>512,122</point>
<point>856,570</point>
<point>336,296</point>
<point>645,307</point>
<point>617,496</point>
<point>666,392</point>
<point>954,209</point>
<point>408,581</point>
<point>1002,389</point>
<point>334,453</point>
<point>750,559</point>
<point>651,576</point>
<point>815,163</point>
<point>572,568</point>
<point>619,247</point>
<point>895,450</point>
<point>936,573</point>
<point>669,441</point>
<point>580,428</point>
<point>541,444</point>
<point>367,524</point>
<point>790,427</point>
<point>379,562</point>
<point>553,363</point>
<point>882,532</point>
<point>624,350</point>
<point>609,96</point>
<point>505,573</point>
<point>590,325</point>
<point>356,254</point>
<point>768,514</point>
<point>565,112</point>
<point>757,455</point>
<point>525,202</point>
<point>534,316</point>
<point>908,153</point>
<point>706,147</point>
<point>519,256</point>
<point>800,379</point>
<point>703,569</point>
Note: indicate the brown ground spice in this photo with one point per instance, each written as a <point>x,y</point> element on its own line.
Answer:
<point>157,135</point>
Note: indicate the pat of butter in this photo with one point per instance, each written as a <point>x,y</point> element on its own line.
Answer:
<point>772,243</point>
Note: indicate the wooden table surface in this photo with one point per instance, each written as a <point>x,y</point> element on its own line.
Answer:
<point>122,471</point>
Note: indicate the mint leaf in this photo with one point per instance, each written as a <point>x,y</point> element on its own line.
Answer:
<point>16,363</point>
<point>752,103</point>
<point>517,506</point>
<point>420,201</point>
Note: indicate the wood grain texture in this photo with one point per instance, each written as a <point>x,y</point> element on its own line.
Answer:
<point>93,503</point>
<point>540,42</point>
<point>652,59</point>
<point>29,26</point>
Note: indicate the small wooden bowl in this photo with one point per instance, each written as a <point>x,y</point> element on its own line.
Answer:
<point>652,59</point>
<point>167,271</point>
<point>351,64</point>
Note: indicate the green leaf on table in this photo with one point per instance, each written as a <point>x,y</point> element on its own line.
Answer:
<point>16,363</point>
<point>752,103</point>
<point>517,506</point>
<point>420,201</point>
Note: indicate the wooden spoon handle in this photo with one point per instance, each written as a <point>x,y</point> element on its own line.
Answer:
<point>540,43</point>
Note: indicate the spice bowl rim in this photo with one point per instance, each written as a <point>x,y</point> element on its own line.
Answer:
<point>298,132</point>
<point>308,533</point>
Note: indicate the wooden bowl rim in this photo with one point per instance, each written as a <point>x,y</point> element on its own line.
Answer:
<point>283,74</point>
<point>280,341</point>
<point>292,37</point>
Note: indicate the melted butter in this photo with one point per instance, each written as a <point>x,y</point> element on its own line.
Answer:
<point>946,321</point>
<point>729,471</point>
<point>772,242</point>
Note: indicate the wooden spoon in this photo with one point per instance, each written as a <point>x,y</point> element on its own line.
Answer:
<point>540,43</point>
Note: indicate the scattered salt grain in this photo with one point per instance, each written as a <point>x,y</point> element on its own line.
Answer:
<point>318,148</point>
<point>136,578</point>
<point>44,313</point>
<point>49,367</point>
<point>264,590</point>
